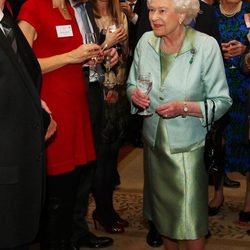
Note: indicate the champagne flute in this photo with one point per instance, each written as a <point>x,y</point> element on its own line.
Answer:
<point>91,38</point>
<point>144,84</point>
<point>231,60</point>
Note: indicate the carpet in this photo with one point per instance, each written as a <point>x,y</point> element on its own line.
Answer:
<point>223,226</point>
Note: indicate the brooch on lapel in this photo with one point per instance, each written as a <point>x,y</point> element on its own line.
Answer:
<point>193,52</point>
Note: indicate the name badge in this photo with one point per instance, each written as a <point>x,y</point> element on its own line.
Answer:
<point>64,31</point>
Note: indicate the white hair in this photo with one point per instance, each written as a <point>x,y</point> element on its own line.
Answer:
<point>189,7</point>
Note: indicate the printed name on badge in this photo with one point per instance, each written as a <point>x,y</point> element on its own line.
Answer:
<point>64,31</point>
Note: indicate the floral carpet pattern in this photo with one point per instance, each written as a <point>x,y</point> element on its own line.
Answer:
<point>223,226</point>
<point>226,224</point>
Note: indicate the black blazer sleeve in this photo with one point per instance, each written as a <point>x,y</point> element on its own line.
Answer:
<point>206,21</point>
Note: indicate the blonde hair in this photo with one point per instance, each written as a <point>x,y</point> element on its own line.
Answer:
<point>189,7</point>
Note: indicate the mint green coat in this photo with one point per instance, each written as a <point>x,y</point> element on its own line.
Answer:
<point>196,75</point>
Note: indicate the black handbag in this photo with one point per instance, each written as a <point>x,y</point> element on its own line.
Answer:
<point>211,154</point>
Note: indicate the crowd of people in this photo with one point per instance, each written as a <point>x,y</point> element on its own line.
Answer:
<point>67,105</point>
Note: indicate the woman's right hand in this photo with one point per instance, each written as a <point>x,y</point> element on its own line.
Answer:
<point>84,53</point>
<point>114,57</point>
<point>127,10</point>
<point>118,36</point>
<point>140,99</point>
<point>51,129</point>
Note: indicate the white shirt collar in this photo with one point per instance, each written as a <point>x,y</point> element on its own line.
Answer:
<point>71,3</point>
<point>1,15</point>
<point>131,2</point>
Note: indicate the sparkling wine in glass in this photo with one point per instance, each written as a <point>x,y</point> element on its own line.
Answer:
<point>144,83</point>
<point>231,60</point>
<point>232,66</point>
<point>91,38</point>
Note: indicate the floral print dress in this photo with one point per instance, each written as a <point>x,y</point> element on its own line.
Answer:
<point>114,91</point>
<point>237,150</point>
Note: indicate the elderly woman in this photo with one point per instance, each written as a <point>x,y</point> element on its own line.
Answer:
<point>186,69</point>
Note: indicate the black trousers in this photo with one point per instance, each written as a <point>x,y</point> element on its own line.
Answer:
<point>56,223</point>
<point>95,101</point>
<point>103,184</point>
<point>80,225</point>
<point>105,167</point>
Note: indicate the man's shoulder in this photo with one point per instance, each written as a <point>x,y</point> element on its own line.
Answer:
<point>89,3</point>
<point>204,7</point>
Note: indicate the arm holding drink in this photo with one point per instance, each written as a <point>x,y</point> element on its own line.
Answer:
<point>81,54</point>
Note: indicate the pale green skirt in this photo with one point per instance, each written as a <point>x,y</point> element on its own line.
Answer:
<point>175,190</point>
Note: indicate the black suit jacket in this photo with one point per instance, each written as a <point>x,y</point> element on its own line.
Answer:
<point>206,21</point>
<point>142,25</point>
<point>15,6</point>
<point>22,143</point>
<point>89,8</point>
<point>94,92</point>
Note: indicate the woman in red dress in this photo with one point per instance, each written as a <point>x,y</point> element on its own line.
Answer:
<point>51,29</point>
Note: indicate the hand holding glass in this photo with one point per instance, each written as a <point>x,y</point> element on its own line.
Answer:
<point>226,47</point>
<point>144,84</point>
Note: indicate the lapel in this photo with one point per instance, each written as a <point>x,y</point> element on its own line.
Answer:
<point>188,47</point>
<point>89,9</point>
<point>28,61</point>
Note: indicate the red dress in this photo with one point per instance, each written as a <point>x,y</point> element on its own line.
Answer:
<point>64,89</point>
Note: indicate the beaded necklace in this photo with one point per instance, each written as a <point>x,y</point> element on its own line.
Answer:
<point>231,13</point>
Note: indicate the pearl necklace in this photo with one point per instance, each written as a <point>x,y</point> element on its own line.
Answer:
<point>232,13</point>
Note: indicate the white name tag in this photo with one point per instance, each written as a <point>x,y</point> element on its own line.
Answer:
<point>64,31</point>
